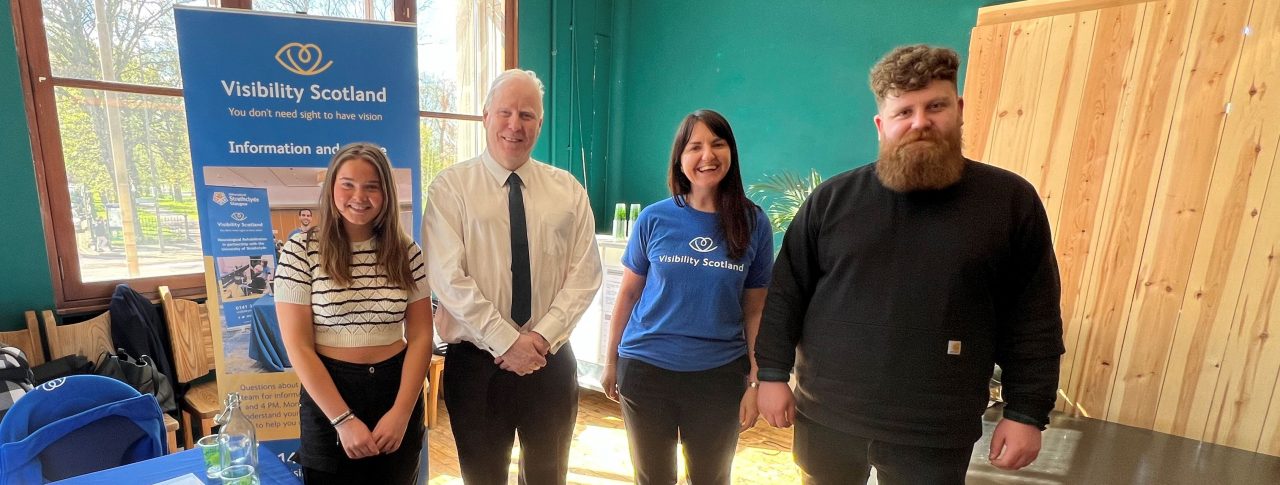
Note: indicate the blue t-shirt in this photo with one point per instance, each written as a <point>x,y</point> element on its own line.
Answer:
<point>689,316</point>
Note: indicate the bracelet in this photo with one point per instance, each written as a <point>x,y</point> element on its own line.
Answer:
<point>342,418</point>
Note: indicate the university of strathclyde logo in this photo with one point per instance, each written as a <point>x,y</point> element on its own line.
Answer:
<point>302,59</point>
<point>702,244</point>
<point>220,198</point>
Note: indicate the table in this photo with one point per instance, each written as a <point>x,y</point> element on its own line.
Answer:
<point>265,343</point>
<point>270,470</point>
<point>590,338</point>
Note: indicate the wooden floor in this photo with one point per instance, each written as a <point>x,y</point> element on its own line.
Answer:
<point>599,452</point>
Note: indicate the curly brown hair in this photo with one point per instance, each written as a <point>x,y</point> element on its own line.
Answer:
<point>912,67</point>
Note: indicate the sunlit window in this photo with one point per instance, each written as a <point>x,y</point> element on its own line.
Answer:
<point>112,130</point>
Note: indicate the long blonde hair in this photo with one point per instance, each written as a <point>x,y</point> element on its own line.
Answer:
<point>391,243</point>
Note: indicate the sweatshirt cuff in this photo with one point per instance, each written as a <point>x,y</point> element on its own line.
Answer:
<point>773,375</point>
<point>1018,417</point>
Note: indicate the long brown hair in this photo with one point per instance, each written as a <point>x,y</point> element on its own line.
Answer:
<point>734,210</point>
<point>391,243</point>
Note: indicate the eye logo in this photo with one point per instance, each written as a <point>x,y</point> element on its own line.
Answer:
<point>702,244</point>
<point>220,198</point>
<point>302,59</point>
<point>53,384</point>
<point>238,216</point>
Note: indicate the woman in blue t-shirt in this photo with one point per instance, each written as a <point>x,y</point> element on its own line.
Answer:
<point>680,354</point>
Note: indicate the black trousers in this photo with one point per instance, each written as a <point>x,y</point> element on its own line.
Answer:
<point>829,456</point>
<point>489,407</point>
<point>700,409</point>
<point>370,391</point>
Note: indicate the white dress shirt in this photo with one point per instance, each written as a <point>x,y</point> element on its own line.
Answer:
<point>467,236</point>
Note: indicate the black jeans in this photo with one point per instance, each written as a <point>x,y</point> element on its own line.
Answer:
<point>700,409</point>
<point>369,390</point>
<point>488,407</point>
<point>829,456</point>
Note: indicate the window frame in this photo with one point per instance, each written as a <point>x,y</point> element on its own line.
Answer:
<point>71,294</point>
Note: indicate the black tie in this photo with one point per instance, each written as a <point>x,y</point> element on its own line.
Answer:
<point>521,293</point>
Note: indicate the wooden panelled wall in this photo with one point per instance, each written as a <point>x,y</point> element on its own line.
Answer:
<point>1150,130</point>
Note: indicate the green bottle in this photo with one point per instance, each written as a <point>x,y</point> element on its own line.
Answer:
<point>631,218</point>
<point>620,221</point>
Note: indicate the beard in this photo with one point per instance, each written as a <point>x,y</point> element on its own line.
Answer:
<point>921,160</point>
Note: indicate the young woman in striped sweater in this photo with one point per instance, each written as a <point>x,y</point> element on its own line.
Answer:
<point>352,298</point>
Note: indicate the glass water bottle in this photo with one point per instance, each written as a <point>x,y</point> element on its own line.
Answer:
<point>240,441</point>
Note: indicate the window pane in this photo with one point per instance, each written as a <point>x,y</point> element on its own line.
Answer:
<point>446,142</point>
<point>460,50</point>
<point>150,229</point>
<point>350,9</point>
<point>143,48</point>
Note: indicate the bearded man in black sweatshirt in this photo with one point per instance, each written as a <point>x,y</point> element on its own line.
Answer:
<point>898,285</point>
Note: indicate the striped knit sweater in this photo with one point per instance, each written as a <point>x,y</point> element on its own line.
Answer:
<point>369,312</point>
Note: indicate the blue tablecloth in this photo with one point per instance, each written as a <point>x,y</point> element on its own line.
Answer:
<point>265,344</point>
<point>270,470</point>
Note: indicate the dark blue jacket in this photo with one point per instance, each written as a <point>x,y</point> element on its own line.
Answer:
<point>136,327</point>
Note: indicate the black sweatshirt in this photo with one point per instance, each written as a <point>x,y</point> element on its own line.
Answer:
<point>892,307</point>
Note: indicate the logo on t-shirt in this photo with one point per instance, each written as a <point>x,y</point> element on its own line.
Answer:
<point>702,244</point>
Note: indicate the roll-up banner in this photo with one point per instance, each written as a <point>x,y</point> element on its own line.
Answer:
<point>269,100</point>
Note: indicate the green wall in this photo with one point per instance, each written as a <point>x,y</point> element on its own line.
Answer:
<point>27,285</point>
<point>569,43</point>
<point>791,77</point>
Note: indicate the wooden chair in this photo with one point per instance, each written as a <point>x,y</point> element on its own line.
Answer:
<point>192,338</point>
<point>91,338</point>
<point>435,377</point>
<point>27,340</point>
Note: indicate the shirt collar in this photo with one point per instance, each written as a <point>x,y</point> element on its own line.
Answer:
<point>500,174</point>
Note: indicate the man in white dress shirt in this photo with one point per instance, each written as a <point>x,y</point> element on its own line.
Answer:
<point>511,255</point>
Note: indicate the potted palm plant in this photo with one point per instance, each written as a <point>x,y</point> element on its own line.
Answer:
<point>781,195</point>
